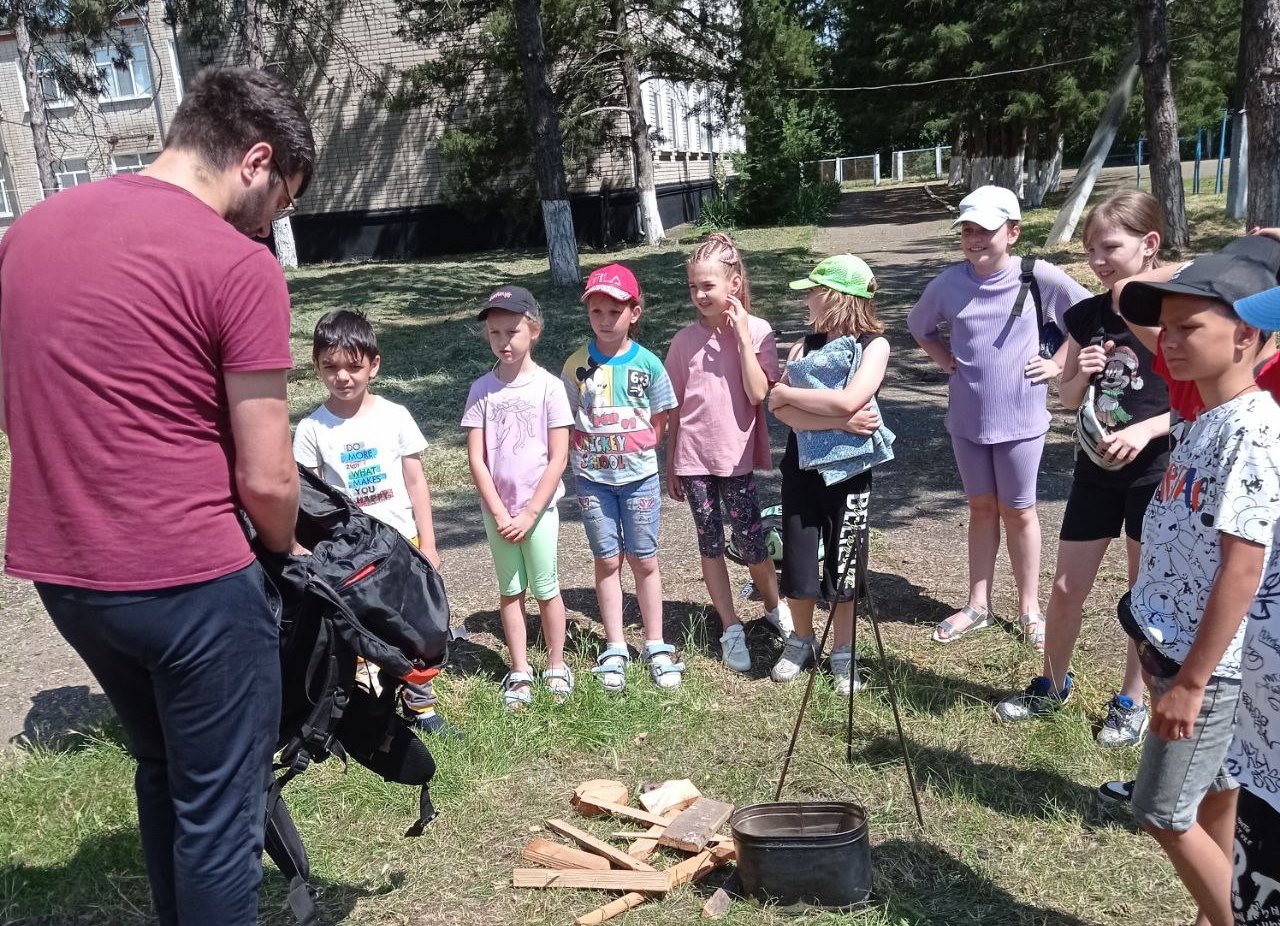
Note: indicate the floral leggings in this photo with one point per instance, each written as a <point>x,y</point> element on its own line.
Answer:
<point>737,495</point>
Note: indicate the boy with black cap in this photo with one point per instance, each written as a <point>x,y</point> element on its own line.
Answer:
<point>1254,759</point>
<point>1206,552</point>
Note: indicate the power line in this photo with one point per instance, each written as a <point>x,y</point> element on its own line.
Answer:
<point>944,80</point>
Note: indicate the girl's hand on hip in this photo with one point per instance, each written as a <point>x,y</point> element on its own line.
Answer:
<point>1040,371</point>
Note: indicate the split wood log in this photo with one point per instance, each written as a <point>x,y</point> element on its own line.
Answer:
<point>554,855</point>
<point>717,905</point>
<point>643,849</point>
<point>670,795</point>
<point>690,869</point>
<point>588,796</point>
<point>654,882</point>
<point>630,813</point>
<point>598,846</point>
<point>695,827</point>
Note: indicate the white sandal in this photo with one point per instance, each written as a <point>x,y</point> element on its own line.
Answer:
<point>564,676</point>
<point>611,667</point>
<point>665,672</point>
<point>517,690</point>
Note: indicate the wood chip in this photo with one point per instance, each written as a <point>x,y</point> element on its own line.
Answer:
<point>632,813</point>
<point>717,905</point>
<point>695,827</point>
<point>647,881</point>
<point>588,796</point>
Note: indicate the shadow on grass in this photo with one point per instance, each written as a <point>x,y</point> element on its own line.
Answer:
<point>67,719</point>
<point>105,882</point>
<point>921,883</point>
<point>1034,793</point>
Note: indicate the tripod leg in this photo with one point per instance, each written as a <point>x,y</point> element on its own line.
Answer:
<point>804,705</point>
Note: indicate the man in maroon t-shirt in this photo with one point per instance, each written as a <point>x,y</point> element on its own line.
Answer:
<point>144,345</point>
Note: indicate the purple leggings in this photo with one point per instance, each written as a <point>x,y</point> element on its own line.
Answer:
<point>1007,470</point>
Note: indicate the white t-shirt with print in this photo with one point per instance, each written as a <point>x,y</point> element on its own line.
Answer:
<point>362,456</point>
<point>1223,477</point>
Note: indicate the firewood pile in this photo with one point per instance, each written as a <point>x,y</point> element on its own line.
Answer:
<point>676,815</point>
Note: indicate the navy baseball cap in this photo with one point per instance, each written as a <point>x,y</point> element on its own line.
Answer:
<point>512,299</point>
<point>1244,268</point>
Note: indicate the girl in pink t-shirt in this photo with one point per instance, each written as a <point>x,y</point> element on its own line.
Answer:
<point>722,367</point>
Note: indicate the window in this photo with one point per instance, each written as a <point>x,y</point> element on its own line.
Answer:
<point>123,78</point>
<point>72,172</point>
<point>6,197</point>
<point>175,70</point>
<point>49,86</point>
<point>674,123</point>
<point>131,163</point>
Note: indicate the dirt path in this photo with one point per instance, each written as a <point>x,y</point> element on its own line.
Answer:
<point>918,555</point>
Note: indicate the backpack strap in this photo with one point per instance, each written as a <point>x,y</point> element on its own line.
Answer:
<point>284,846</point>
<point>1029,284</point>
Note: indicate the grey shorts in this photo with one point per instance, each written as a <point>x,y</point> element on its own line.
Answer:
<point>1174,776</point>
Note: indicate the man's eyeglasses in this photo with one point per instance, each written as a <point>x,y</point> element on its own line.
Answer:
<point>290,206</point>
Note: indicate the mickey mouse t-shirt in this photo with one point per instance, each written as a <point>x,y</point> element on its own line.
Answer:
<point>1222,478</point>
<point>614,400</point>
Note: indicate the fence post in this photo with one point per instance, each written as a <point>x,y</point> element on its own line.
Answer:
<point>1222,153</point>
<point>1195,173</point>
<point>875,168</point>
<point>839,171</point>
<point>937,162</point>
<point>897,167</point>
<point>1140,162</point>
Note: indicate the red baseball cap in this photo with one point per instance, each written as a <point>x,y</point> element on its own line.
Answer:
<point>615,281</point>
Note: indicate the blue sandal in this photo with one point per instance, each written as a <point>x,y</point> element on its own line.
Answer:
<point>517,690</point>
<point>611,666</point>
<point>665,672</point>
<point>559,682</point>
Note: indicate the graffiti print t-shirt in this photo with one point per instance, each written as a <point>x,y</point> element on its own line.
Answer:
<point>614,400</point>
<point>1254,760</point>
<point>362,456</point>
<point>1222,478</point>
<point>516,418</point>
<point>1125,392</point>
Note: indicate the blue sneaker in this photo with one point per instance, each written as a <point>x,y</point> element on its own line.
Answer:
<point>1126,723</point>
<point>1037,701</point>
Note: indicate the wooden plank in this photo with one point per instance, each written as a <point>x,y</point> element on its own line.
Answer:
<point>695,827</point>
<point>588,796</point>
<point>632,813</point>
<point>689,870</point>
<point>647,881</point>
<point>717,905</point>
<point>598,846</point>
<point>643,849</point>
<point>554,855</point>
<point>670,795</point>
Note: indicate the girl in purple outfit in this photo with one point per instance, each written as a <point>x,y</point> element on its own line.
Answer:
<point>996,413</point>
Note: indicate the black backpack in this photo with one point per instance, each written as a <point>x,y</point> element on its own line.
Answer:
<point>367,592</point>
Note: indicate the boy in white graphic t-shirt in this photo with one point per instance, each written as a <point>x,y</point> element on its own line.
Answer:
<point>370,448</point>
<point>1206,552</point>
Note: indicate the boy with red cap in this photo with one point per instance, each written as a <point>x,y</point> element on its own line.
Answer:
<point>620,394</point>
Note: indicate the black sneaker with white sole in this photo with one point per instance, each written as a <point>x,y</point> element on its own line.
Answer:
<point>1116,792</point>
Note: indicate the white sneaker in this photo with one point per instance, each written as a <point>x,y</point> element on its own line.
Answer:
<point>733,648</point>
<point>845,670</point>
<point>780,619</point>
<point>797,653</point>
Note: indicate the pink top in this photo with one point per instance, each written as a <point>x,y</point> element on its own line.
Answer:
<point>721,432</point>
<point>516,418</point>
<point>124,305</point>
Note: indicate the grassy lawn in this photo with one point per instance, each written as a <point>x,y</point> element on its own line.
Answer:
<point>1012,837</point>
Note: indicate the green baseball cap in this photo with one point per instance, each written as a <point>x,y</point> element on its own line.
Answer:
<point>844,273</point>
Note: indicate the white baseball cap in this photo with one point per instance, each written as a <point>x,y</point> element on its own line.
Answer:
<point>990,207</point>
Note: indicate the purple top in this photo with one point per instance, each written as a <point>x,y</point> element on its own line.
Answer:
<point>990,400</point>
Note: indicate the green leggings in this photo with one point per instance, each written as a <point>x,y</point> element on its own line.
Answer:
<point>530,564</point>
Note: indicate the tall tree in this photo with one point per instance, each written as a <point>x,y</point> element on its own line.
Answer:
<point>1161,112</point>
<point>638,124</point>
<point>548,144</point>
<point>1261,39</point>
<point>36,108</point>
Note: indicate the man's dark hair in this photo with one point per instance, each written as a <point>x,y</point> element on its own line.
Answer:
<point>345,330</point>
<point>226,111</point>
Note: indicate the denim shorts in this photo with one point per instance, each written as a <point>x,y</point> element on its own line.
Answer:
<point>621,518</point>
<point>1175,775</point>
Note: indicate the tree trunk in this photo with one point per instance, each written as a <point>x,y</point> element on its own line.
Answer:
<point>1261,38</point>
<point>1055,165</point>
<point>641,146</point>
<point>36,108</point>
<point>1033,193</point>
<point>1238,173</point>
<point>1045,173</point>
<point>959,159</point>
<point>1064,225</point>
<point>1162,120</point>
<point>548,145</point>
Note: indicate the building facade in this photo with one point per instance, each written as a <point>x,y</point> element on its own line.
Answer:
<point>378,187</point>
